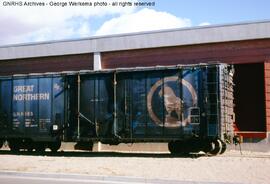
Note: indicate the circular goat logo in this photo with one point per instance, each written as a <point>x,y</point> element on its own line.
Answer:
<point>174,109</point>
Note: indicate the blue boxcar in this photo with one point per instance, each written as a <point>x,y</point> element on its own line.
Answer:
<point>190,107</point>
<point>32,107</point>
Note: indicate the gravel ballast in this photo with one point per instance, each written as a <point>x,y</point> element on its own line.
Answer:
<point>232,167</point>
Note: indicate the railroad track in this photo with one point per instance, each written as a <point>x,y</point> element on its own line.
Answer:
<point>134,154</point>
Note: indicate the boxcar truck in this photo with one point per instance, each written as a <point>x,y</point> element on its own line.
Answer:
<point>188,106</point>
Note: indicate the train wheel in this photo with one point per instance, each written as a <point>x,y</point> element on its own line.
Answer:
<point>172,147</point>
<point>184,147</point>
<point>30,149</point>
<point>13,146</point>
<point>1,143</point>
<point>224,147</point>
<point>217,148</point>
<point>55,146</point>
<point>40,147</point>
<point>208,146</point>
<point>29,145</point>
<point>179,147</point>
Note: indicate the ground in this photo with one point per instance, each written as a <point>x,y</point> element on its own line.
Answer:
<point>232,167</point>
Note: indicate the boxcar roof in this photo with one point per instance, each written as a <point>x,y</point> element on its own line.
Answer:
<point>117,70</point>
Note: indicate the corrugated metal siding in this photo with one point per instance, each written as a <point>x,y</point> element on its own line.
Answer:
<point>47,64</point>
<point>231,52</point>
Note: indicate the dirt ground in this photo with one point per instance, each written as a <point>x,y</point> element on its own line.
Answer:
<point>232,167</point>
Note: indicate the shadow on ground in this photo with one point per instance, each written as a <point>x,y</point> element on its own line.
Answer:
<point>101,154</point>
